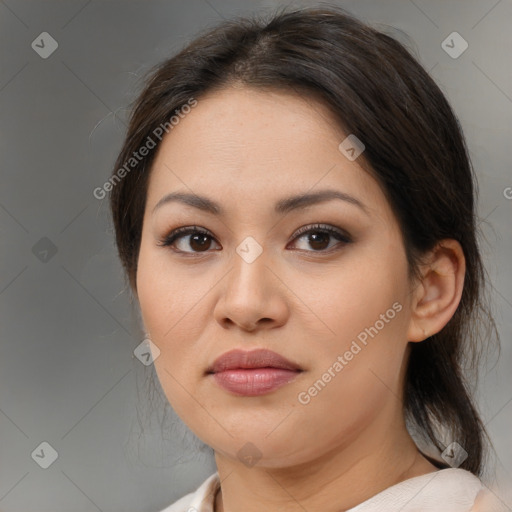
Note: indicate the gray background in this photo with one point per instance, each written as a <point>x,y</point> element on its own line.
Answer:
<point>68,374</point>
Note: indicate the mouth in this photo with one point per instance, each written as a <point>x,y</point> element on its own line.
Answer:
<point>253,373</point>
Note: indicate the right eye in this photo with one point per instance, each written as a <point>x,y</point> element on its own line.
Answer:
<point>199,241</point>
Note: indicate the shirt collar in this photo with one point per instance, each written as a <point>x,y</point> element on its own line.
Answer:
<point>452,487</point>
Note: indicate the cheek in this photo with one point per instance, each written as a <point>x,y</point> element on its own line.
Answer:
<point>161,303</point>
<point>354,297</point>
<point>164,308</point>
<point>356,372</point>
<point>173,307</point>
<point>365,309</point>
<point>166,295</point>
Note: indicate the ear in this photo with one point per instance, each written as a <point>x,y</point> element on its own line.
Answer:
<point>439,290</point>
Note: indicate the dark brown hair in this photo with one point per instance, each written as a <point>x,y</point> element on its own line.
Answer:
<point>415,149</point>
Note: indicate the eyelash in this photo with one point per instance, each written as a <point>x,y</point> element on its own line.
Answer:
<point>340,235</point>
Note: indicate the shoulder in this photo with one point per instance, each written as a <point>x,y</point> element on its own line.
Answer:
<point>201,500</point>
<point>489,501</point>
<point>450,490</point>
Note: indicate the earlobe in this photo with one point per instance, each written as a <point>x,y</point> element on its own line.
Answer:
<point>439,291</point>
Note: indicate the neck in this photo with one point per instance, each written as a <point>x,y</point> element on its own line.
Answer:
<point>336,481</point>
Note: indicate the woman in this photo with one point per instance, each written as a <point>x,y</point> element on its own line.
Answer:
<point>294,207</point>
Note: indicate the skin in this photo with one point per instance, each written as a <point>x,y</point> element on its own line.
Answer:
<point>247,149</point>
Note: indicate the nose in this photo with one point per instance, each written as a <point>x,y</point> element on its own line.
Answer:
<point>252,297</point>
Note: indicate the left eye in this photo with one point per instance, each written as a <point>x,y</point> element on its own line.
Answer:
<point>318,236</point>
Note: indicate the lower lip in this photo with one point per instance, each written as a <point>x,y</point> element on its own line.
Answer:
<point>254,381</point>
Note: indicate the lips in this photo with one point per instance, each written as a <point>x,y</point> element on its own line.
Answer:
<point>260,358</point>
<point>253,373</point>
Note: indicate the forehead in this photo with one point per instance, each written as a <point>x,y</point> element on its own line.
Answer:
<point>256,145</point>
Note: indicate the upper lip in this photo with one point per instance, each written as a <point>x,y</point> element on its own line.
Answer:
<point>259,358</point>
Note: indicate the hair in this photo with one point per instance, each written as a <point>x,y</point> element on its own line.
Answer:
<point>414,148</point>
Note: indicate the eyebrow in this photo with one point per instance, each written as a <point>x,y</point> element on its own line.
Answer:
<point>281,207</point>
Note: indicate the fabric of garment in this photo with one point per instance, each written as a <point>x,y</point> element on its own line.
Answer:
<point>446,490</point>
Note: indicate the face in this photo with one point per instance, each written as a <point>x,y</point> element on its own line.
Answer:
<point>324,285</point>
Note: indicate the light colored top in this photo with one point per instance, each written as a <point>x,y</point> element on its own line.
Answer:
<point>449,490</point>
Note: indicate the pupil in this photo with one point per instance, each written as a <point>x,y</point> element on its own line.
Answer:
<point>314,240</point>
<point>202,244</point>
